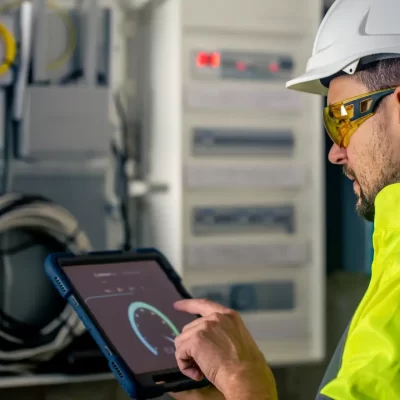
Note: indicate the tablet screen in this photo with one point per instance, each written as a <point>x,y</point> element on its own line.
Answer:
<point>132,302</point>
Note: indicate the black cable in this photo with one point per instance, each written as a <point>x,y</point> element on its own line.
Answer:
<point>125,198</point>
<point>7,140</point>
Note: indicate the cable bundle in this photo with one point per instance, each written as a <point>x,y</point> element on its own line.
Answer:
<point>24,345</point>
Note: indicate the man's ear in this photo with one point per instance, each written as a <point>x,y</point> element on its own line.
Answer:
<point>397,102</point>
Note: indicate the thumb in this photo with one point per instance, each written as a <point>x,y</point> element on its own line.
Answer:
<point>193,372</point>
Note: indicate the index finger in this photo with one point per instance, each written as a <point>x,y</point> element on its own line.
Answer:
<point>201,307</point>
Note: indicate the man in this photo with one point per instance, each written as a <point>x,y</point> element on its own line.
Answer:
<point>356,63</point>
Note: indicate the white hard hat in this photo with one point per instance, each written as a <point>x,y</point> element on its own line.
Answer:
<point>353,34</point>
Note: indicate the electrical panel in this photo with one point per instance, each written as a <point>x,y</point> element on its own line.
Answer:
<point>225,64</point>
<point>230,220</point>
<point>231,256</point>
<point>67,71</point>
<point>57,184</point>
<point>63,77</point>
<point>68,100</point>
<point>236,99</point>
<point>251,297</point>
<point>241,142</point>
<point>61,119</point>
<point>66,123</point>
<point>252,174</point>
<point>243,219</point>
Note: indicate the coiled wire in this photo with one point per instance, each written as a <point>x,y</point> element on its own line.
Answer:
<point>71,32</point>
<point>10,49</point>
<point>40,215</point>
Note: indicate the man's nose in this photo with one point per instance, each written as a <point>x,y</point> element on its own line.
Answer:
<point>337,155</point>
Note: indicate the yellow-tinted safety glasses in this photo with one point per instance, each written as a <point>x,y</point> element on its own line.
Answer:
<point>343,118</point>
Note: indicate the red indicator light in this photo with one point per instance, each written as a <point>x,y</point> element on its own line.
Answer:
<point>202,59</point>
<point>241,66</point>
<point>215,60</point>
<point>274,67</point>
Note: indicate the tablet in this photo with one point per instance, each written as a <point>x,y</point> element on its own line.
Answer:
<point>126,302</point>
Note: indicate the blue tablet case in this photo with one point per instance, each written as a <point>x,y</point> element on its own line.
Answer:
<point>57,277</point>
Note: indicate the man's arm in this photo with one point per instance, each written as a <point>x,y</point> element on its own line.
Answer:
<point>249,384</point>
<point>370,363</point>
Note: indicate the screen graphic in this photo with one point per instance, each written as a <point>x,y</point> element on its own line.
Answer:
<point>142,316</point>
<point>133,303</point>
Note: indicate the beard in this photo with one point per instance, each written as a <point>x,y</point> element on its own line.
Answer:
<point>366,204</point>
<point>385,171</point>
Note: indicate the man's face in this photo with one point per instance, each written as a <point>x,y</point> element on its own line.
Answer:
<point>372,158</point>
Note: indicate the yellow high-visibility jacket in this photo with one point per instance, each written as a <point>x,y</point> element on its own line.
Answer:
<point>367,362</point>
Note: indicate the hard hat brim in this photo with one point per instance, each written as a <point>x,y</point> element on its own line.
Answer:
<point>310,82</point>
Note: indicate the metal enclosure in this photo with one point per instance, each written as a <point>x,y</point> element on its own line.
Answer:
<point>68,121</point>
<point>79,192</point>
<point>68,118</point>
<point>243,220</point>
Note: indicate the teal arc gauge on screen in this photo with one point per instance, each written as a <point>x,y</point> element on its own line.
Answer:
<point>153,328</point>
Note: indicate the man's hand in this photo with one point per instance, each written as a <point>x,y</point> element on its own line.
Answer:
<point>219,347</point>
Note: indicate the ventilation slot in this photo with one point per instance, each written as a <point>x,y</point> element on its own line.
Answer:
<point>117,370</point>
<point>60,284</point>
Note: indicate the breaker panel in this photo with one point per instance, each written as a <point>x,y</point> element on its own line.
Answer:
<point>242,156</point>
<point>225,64</point>
<point>57,102</point>
<point>208,141</point>
<point>231,220</point>
<point>62,75</point>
